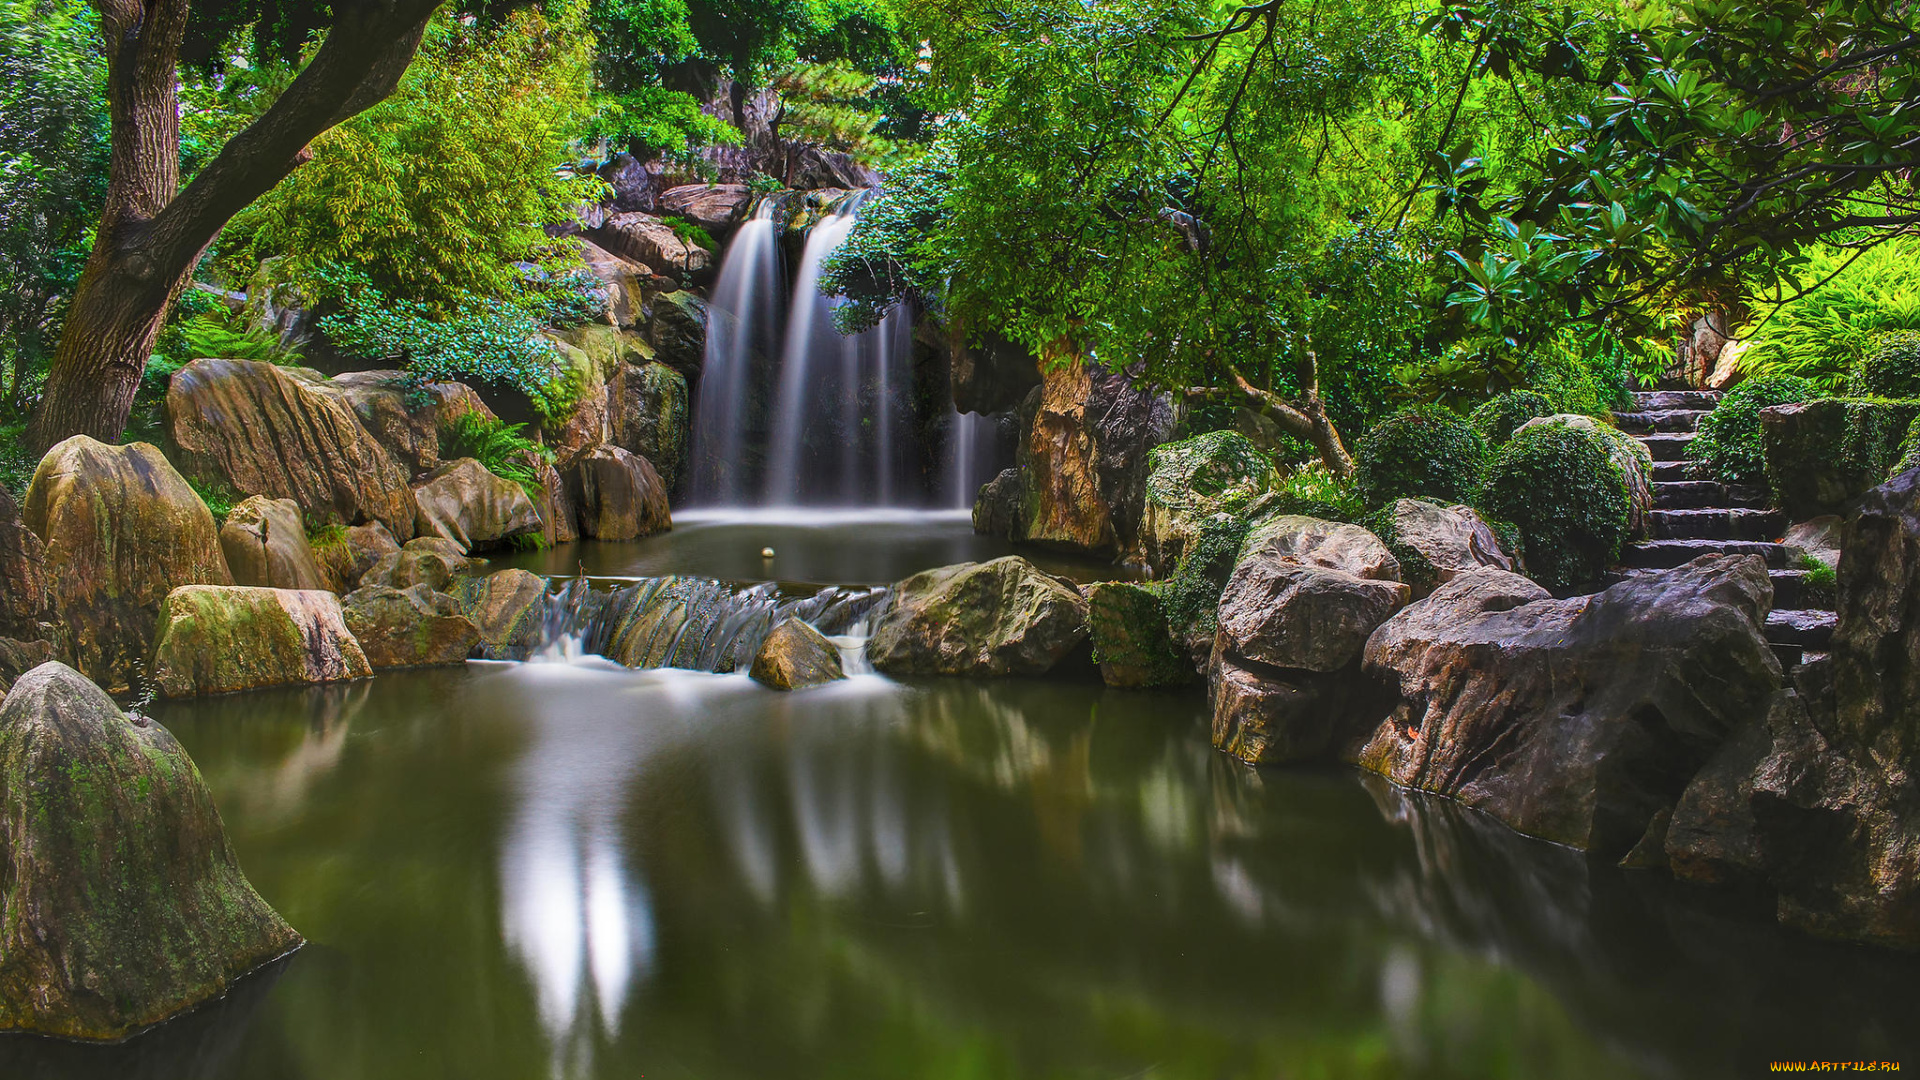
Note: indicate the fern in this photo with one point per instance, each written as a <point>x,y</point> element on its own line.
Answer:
<point>499,446</point>
<point>1821,337</point>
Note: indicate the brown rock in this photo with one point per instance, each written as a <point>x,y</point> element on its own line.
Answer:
<point>411,627</point>
<point>645,239</point>
<point>218,639</point>
<point>410,434</point>
<point>795,656</point>
<point>1449,539</point>
<point>1291,615</point>
<point>1003,617</point>
<point>24,605</point>
<point>429,560</point>
<point>509,608</point>
<point>265,543</point>
<point>1328,544</point>
<point>461,501</point>
<point>713,207</point>
<point>367,545</point>
<point>649,416</point>
<point>620,496</point>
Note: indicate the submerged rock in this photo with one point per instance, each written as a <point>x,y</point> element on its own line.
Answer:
<point>509,608</point>
<point>122,529</point>
<point>218,639</point>
<point>411,627</point>
<point>1003,617</point>
<point>265,543</point>
<point>1574,720</point>
<point>1132,642</point>
<point>795,656</point>
<point>620,496</point>
<point>461,501</point>
<point>122,903</point>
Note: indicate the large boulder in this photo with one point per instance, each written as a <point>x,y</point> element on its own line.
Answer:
<point>1003,617</point>
<point>510,610</point>
<point>620,497</point>
<point>1311,541</point>
<point>678,331</point>
<point>461,501</point>
<point>430,560</point>
<point>1822,455</point>
<point>1435,544</point>
<point>1582,720</point>
<point>1192,480</point>
<point>24,604</point>
<point>586,426</point>
<point>1132,641</point>
<point>265,542</point>
<point>366,546</point>
<point>1289,614</point>
<point>122,902</point>
<point>1085,458</point>
<point>795,656</point>
<point>1628,453</point>
<point>716,208</point>
<point>559,522</point>
<point>404,420</point>
<point>625,283</point>
<point>648,403</point>
<point>262,431</point>
<point>411,627</point>
<point>122,529</point>
<point>218,639</point>
<point>645,239</point>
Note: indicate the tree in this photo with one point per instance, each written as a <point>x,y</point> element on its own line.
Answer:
<point>151,233</point>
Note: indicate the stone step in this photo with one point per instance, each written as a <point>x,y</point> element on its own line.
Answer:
<point>1662,554</point>
<point>1647,423</point>
<point>1718,523</point>
<point>1670,471</point>
<point>1659,400</point>
<point>1668,446</point>
<point>1799,626</point>
<point>1791,590</point>
<point>1695,494</point>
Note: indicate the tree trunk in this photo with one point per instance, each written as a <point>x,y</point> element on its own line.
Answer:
<point>1305,418</point>
<point>151,234</point>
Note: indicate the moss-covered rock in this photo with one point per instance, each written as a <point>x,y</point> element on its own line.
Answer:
<point>649,416</point>
<point>411,627</point>
<point>265,543</point>
<point>678,331</point>
<point>795,656</point>
<point>426,560</point>
<point>218,639</point>
<point>1220,472</point>
<point>1822,455</point>
<point>122,530</point>
<point>1628,454</point>
<point>121,902</point>
<point>461,501</point>
<point>1004,617</point>
<point>1435,544</point>
<point>509,608</point>
<point>1132,641</point>
<point>24,604</point>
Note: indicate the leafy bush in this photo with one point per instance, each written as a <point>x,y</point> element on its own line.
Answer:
<point>1891,369</point>
<point>1499,416</point>
<point>499,446</point>
<point>1312,490</point>
<point>1423,451</point>
<point>1728,442</point>
<point>1824,335</point>
<point>1191,597</point>
<point>1559,487</point>
<point>16,464</point>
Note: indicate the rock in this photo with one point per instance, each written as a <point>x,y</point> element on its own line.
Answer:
<point>1003,617</point>
<point>1712,837</point>
<point>1190,481</point>
<point>262,431</point>
<point>218,639</point>
<point>624,282</point>
<point>620,496</point>
<point>510,610</point>
<point>1291,615</point>
<point>649,416</point>
<point>586,427</point>
<point>367,545</point>
<point>265,544</point>
<point>1822,455</point>
<point>123,903</point>
<point>1265,716</point>
<point>991,375</point>
<point>1132,642</point>
<point>24,604</point>
<point>606,349</point>
<point>408,430</point>
<point>1313,542</point>
<point>997,508</point>
<point>635,187</point>
<point>795,656</point>
<point>122,529</point>
<point>1819,538</point>
<point>1435,544</point>
<point>429,560</point>
<point>461,501</point>
<point>19,657</point>
<point>642,238</point>
<point>1573,720</point>
<point>410,627</point>
<point>1630,454</point>
<point>559,522</point>
<point>678,330</point>
<point>1085,458</point>
<point>716,208</point>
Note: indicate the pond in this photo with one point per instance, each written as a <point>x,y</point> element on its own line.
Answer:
<point>577,870</point>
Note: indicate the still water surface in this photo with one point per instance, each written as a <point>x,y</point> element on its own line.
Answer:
<point>548,870</point>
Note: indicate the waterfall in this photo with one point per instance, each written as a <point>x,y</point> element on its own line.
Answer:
<point>969,456</point>
<point>740,315</point>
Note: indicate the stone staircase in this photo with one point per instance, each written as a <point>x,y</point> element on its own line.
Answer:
<point>1699,517</point>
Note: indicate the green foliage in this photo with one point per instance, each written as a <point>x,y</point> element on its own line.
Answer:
<point>649,117</point>
<point>1558,486</point>
<point>691,233</point>
<point>1825,336</point>
<point>439,193</point>
<point>830,105</point>
<point>1421,451</point>
<point>1819,574</point>
<point>1314,491</point>
<point>1835,450</point>
<point>499,446</point>
<point>1728,443</point>
<point>1909,452</point>
<point>1891,368</point>
<point>1191,597</point>
<point>219,497</point>
<point>1498,417</point>
<point>16,463</point>
<point>1415,568</point>
<point>212,334</point>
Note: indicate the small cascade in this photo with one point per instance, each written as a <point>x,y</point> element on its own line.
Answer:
<point>969,454</point>
<point>743,316</point>
<point>698,623</point>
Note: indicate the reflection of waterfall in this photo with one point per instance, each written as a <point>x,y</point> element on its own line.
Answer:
<point>740,316</point>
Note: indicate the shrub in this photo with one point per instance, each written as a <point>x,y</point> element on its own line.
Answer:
<point>1560,488</point>
<point>1728,443</point>
<point>1892,369</point>
<point>1424,451</point>
<point>1312,490</point>
<point>499,446</point>
<point>1497,418</point>
<point>1191,597</point>
<point>1822,336</point>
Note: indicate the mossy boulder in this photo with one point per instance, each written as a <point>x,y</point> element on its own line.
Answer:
<point>1627,453</point>
<point>619,496</point>
<point>218,639</point>
<point>509,608</point>
<point>1004,617</point>
<point>122,530</point>
<point>678,332</point>
<point>411,627</point>
<point>1823,455</point>
<point>265,543</point>
<point>121,902</point>
<point>1132,641</point>
<point>796,656</point>
<point>649,416</point>
<point>461,501</point>
<point>1220,472</point>
<point>425,560</point>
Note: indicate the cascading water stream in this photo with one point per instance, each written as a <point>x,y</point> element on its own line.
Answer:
<point>742,312</point>
<point>969,450</point>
